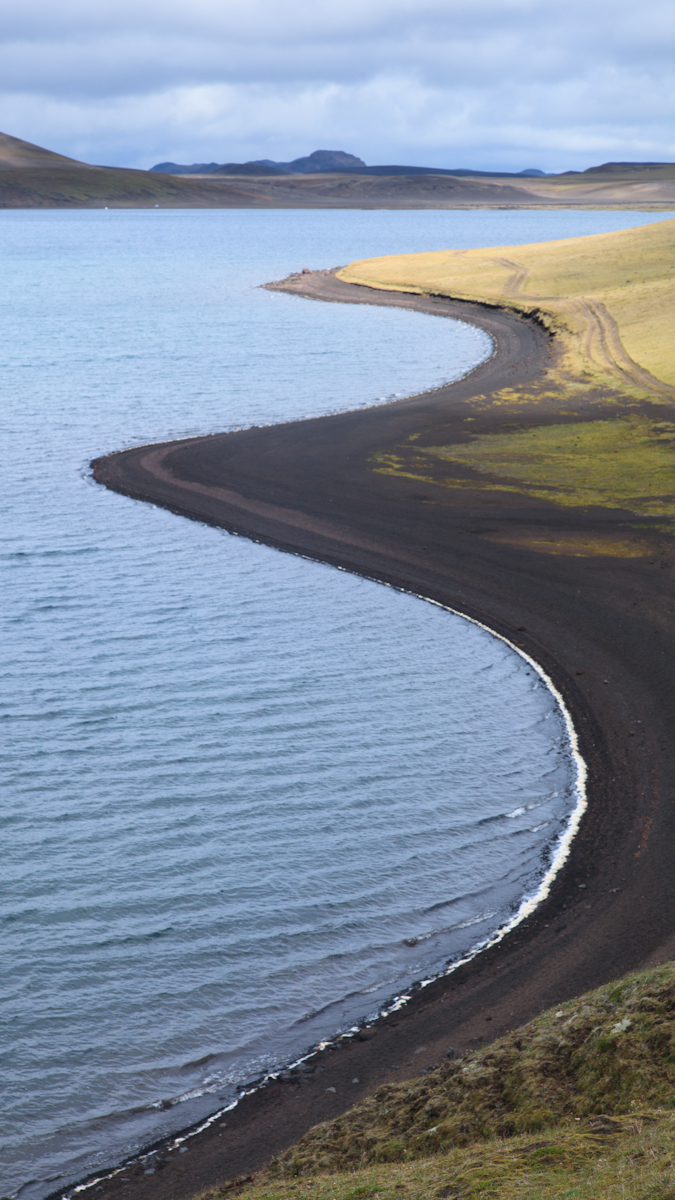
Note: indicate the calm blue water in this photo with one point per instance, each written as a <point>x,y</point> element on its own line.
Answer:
<point>236,783</point>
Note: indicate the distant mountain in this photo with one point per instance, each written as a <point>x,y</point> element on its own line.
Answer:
<point>32,177</point>
<point>247,168</point>
<point>460,172</point>
<point>619,168</point>
<point>171,168</point>
<point>327,160</point>
<point>612,167</point>
<point>319,160</point>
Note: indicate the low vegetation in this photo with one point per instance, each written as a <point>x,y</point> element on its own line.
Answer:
<point>579,1103</point>
<point>602,1159</point>
<point>609,297</point>
<point>627,462</point>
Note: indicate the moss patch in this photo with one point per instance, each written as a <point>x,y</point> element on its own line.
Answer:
<point>576,545</point>
<point>626,463</point>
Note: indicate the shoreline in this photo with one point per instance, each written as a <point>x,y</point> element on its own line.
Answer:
<point>255,482</point>
<point>396,1003</point>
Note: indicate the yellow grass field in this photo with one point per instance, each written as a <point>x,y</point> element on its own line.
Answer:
<point>610,297</point>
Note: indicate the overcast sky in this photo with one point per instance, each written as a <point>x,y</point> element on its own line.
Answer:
<point>491,84</point>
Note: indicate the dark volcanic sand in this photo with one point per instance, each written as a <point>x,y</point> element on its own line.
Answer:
<point>602,628</point>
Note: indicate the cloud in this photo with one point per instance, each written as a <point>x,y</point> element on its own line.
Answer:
<point>490,83</point>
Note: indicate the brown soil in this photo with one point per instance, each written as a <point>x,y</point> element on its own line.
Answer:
<point>601,626</point>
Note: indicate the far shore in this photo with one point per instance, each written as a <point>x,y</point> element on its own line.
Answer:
<point>33,177</point>
<point>586,590</point>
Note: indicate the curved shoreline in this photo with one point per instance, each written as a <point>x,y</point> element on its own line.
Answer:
<point>563,847</point>
<point>398,1002</point>
<point>307,487</point>
<point>395,1003</point>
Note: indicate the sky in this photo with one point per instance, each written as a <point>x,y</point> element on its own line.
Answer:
<point>486,84</point>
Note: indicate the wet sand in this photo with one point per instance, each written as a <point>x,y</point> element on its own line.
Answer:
<point>601,627</point>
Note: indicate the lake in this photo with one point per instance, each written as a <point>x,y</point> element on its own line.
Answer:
<point>248,798</point>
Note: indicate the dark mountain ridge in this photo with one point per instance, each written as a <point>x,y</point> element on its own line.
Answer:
<point>326,160</point>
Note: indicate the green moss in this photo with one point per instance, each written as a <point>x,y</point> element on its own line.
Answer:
<point>627,462</point>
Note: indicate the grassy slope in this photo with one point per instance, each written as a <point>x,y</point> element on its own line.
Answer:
<point>610,296</point>
<point>625,1159</point>
<point>14,152</point>
<point>577,1103</point>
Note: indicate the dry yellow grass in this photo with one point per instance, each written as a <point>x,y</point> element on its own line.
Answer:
<point>610,298</point>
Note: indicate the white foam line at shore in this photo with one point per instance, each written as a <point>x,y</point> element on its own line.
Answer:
<point>529,903</point>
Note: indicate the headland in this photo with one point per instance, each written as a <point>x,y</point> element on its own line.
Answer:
<point>523,496</point>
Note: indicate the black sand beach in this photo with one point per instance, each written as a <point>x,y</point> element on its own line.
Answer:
<point>600,626</point>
